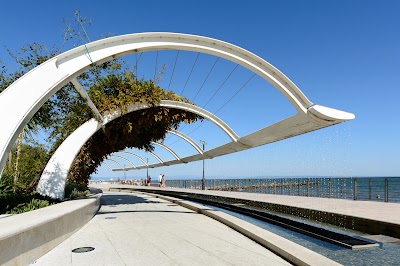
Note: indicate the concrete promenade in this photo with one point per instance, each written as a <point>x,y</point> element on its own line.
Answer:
<point>379,211</point>
<point>137,229</point>
<point>369,216</point>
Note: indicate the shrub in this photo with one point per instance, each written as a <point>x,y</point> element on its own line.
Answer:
<point>74,190</point>
<point>76,194</point>
<point>10,200</point>
<point>30,206</point>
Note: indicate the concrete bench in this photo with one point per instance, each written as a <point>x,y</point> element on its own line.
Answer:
<point>28,236</point>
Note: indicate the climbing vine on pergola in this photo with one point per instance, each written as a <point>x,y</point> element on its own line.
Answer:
<point>132,130</point>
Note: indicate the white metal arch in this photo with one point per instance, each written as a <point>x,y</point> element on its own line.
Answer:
<point>137,156</point>
<point>117,163</point>
<point>155,156</point>
<point>186,138</point>
<point>168,149</point>
<point>57,168</point>
<point>125,159</point>
<point>177,133</point>
<point>25,96</point>
<point>109,167</point>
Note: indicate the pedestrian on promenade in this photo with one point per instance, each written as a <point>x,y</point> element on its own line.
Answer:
<point>148,180</point>
<point>163,181</point>
<point>160,180</point>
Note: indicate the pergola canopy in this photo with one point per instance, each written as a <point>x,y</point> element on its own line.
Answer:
<point>25,96</point>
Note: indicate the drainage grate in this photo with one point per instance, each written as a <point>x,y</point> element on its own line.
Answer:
<point>172,205</point>
<point>110,218</point>
<point>83,249</point>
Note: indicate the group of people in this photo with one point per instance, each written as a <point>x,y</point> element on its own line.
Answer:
<point>143,182</point>
<point>161,180</point>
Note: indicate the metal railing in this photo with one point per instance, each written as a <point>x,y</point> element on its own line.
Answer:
<point>385,189</point>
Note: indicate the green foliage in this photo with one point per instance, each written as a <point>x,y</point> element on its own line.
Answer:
<point>10,200</point>
<point>6,185</point>
<point>77,194</point>
<point>73,190</point>
<point>32,161</point>
<point>111,86</point>
<point>34,204</point>
<point>133,130</point>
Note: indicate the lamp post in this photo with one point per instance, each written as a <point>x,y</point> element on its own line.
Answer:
<point>203,180</point>
<point>147,168</point>
<point>124,173</point>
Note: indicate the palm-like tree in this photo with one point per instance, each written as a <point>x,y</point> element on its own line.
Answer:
<point>27,133</point>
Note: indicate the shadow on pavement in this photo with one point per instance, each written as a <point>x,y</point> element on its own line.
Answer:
<point>123,199</point>
<point>106,212</point>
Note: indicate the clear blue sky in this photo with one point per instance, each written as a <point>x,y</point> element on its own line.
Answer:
<point>341,54</point>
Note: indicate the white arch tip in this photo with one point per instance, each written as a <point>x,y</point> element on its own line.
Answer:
<point>329,115</point>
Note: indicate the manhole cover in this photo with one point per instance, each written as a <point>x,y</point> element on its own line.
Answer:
<point>110,218</point>
<point>83,249</point>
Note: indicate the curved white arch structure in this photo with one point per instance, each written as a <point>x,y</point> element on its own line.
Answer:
<point>137,156</point>
<point>117,163</point>
<point>168,149</point>
<point>187,139</point>
<point>108,166</point>
<point>123,158</point>
<point>177,133</point>
<point>155,156</point>
<point>25,96</point>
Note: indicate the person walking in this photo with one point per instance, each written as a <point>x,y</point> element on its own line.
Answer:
<point>163,181</point>
<point>160,180</point>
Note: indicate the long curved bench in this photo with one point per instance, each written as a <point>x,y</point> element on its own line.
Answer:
<point>26,237</point>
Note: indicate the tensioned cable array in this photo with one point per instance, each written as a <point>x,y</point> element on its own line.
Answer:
<point>155,68</point>
<point>173,70</point>
<point>137,62</point>
<point>230,99</point>
<point>230,74</point>
<point>190,74</point>
<point>201,87</point>
<point>235,93</point>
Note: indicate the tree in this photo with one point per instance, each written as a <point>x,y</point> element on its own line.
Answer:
<point>134,130</point>
<point>111,85</point>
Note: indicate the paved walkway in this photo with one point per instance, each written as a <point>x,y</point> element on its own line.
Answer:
<point>135,229</point>
<point>378,211</point>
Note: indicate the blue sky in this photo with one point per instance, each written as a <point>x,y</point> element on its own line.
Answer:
<point>341,54</point>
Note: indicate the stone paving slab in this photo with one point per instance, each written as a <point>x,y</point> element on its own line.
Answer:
<point>136,229</point>
<point>378,211</point>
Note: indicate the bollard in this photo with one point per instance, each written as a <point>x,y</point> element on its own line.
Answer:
<point>355,189</point>
<point>386,190</point>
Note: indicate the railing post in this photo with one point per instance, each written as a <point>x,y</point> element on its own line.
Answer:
<point>298,186</point>
<point>386,190</point>
<point>281,186</point>
<point>369,189</point>
<point>355,188</point>
<point>275,185</point>
<point>329,187</point>
<point>308,187</point>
